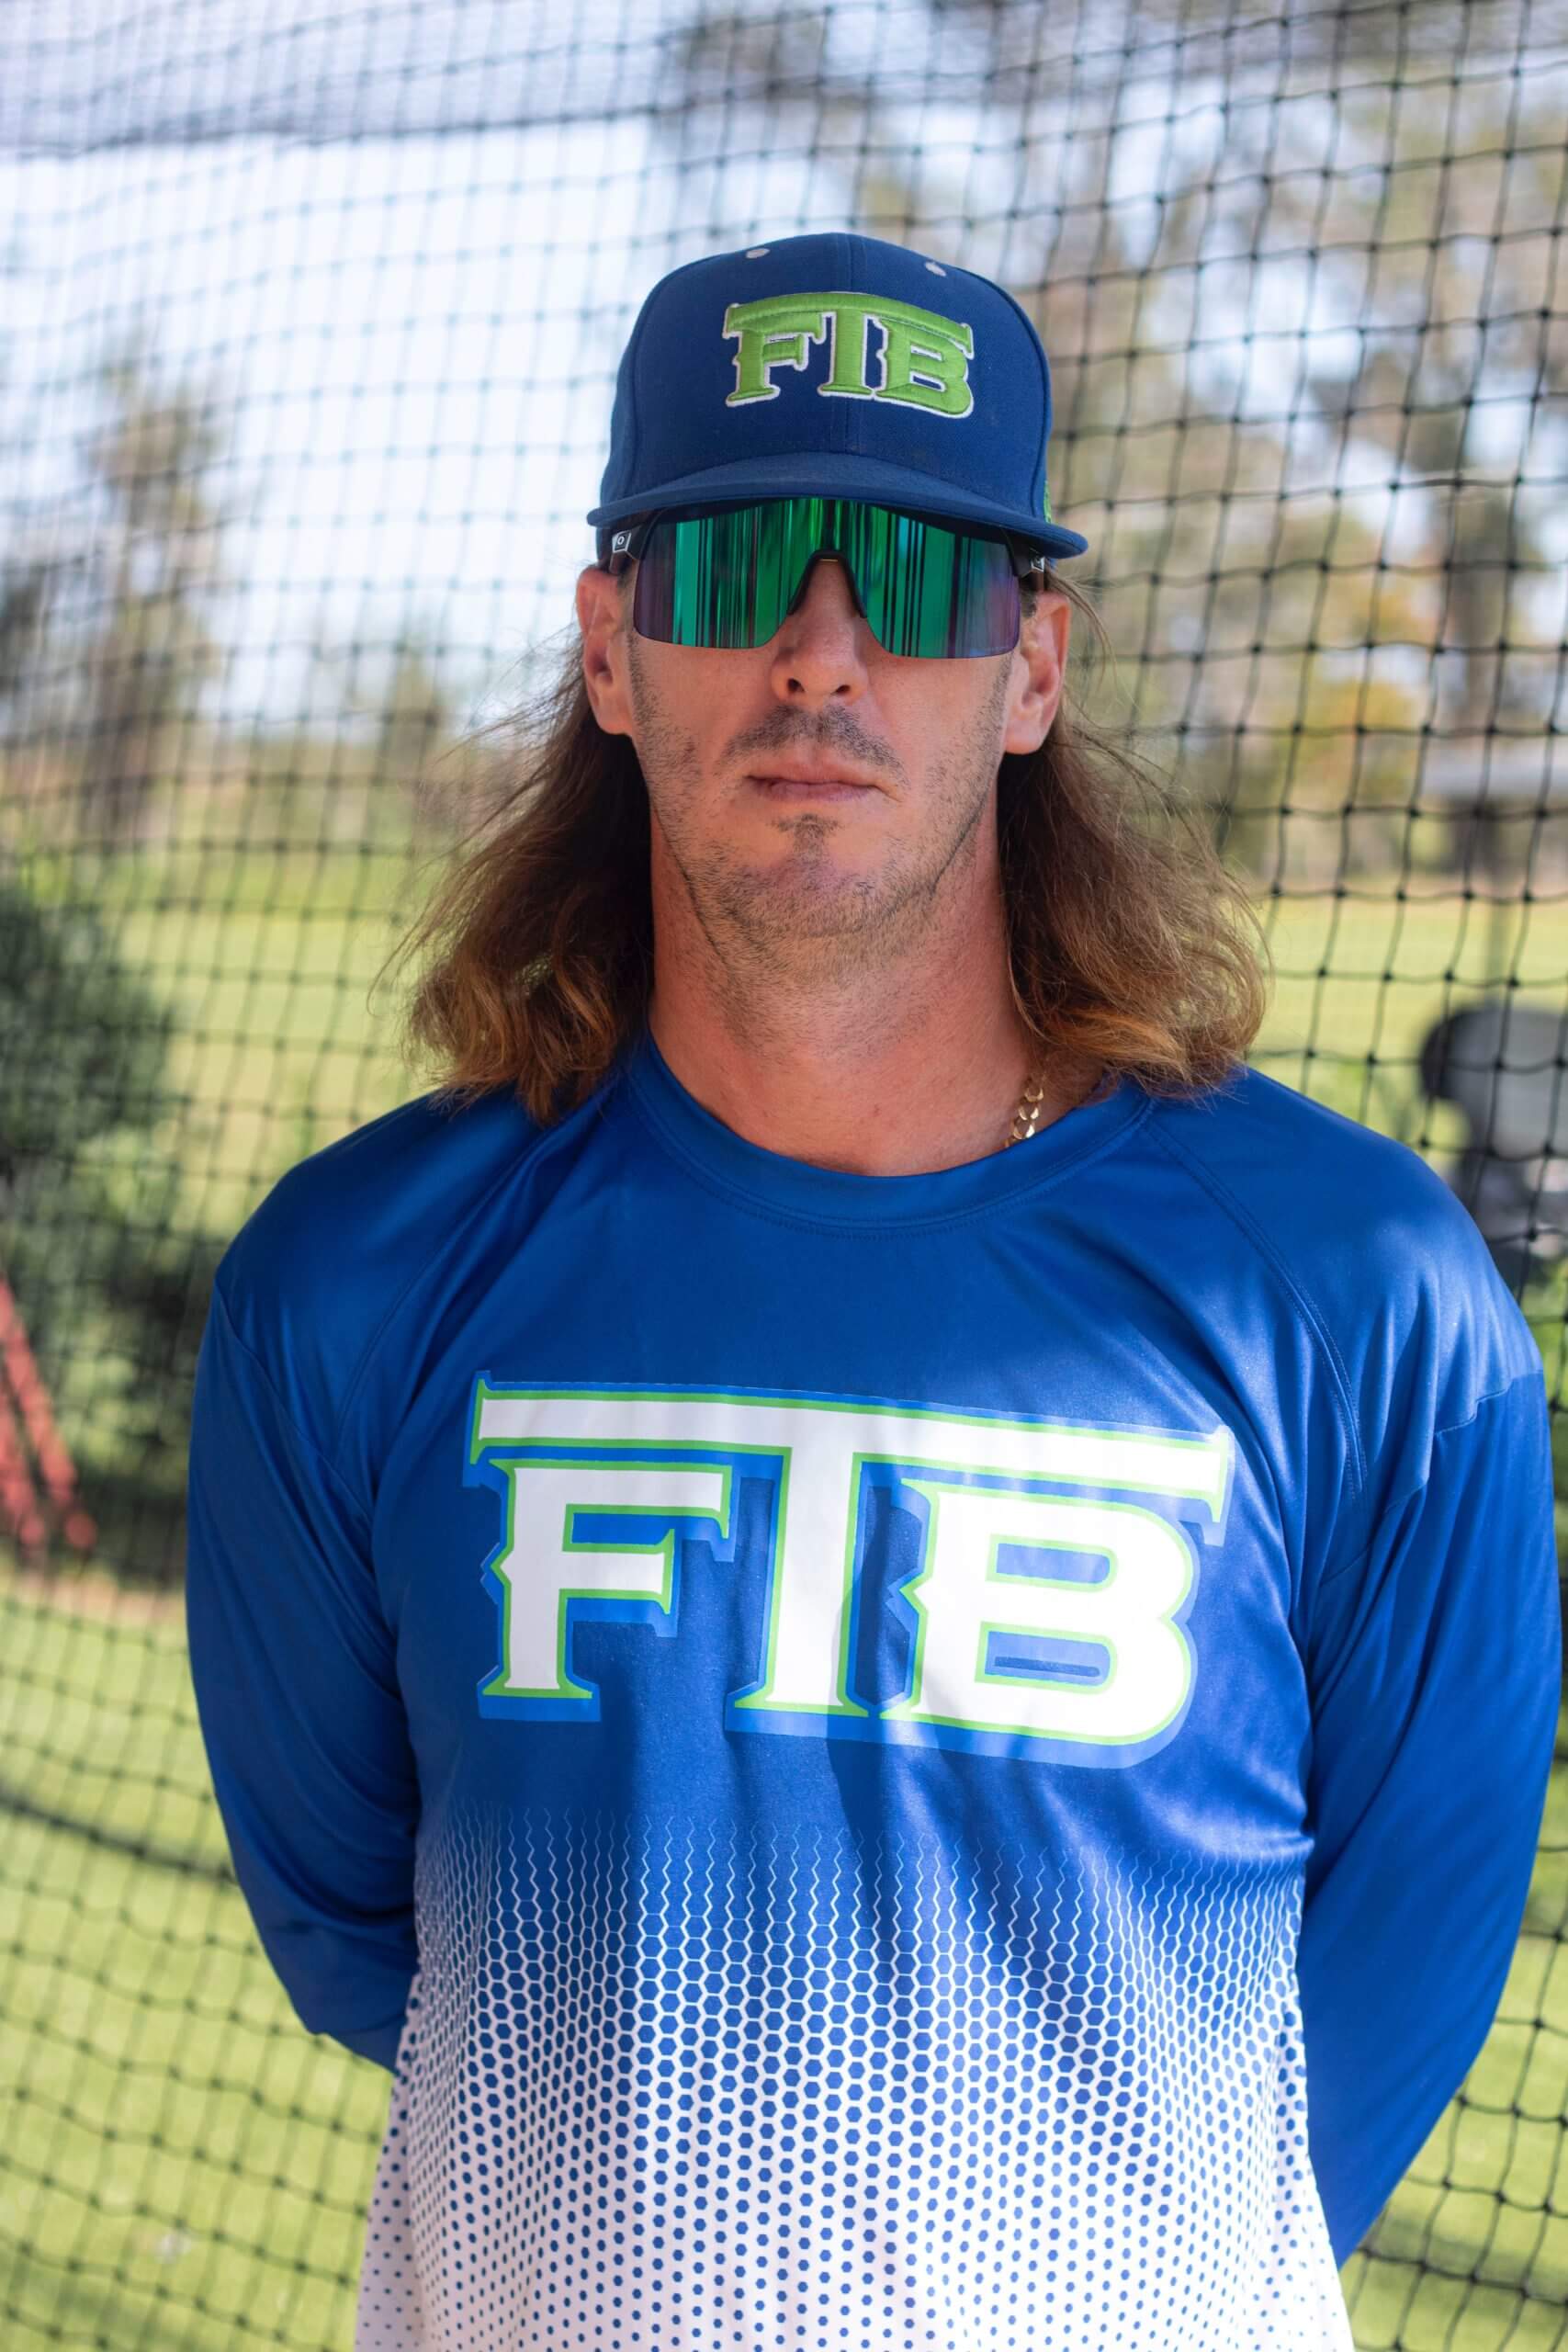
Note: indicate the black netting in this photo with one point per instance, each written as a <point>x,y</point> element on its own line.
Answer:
<point>309,325</point>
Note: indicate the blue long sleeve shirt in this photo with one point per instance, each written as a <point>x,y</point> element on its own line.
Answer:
<point>936,1762</point>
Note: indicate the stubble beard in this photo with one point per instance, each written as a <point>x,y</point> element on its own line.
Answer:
<point>811,918</point>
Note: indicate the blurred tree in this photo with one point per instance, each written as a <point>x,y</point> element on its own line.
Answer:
<point>416,713</point>
<point>153,560</point>
<point>404,691</point>
<point>31,577</point>
<point>1458,361</point>
<point>111,1288</point>
<point>24,596</point>
<point>1277,656</point>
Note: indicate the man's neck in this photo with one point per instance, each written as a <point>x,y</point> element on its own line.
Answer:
<point>928,1099</point>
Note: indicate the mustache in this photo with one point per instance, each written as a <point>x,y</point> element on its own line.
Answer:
<point>840,737</point>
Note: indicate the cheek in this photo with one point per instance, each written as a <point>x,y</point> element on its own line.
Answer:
<point>705,700</point>
<point>950,717</point>
<point>684,711</point>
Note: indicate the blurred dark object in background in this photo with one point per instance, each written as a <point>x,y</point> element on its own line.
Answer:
<point>1505,1067</point>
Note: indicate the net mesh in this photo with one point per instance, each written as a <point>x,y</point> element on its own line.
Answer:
<point>307,345</point>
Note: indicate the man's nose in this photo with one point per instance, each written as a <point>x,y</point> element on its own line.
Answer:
<point>820,647</point>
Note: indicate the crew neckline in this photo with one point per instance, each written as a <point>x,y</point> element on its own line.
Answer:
<point>798,1188</point>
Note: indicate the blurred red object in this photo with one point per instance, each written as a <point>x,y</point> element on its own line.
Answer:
<point>27,1418</point>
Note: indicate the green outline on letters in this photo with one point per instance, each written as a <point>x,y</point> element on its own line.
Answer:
<point>1212,1459</point>
<point>910,1711</point>
<point>509,1464</point>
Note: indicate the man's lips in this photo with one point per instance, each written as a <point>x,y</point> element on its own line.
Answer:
<point>807,788</point>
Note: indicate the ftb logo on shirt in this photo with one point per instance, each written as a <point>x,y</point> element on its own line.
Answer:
<point>1044,1621</point>
<point>925,357</point>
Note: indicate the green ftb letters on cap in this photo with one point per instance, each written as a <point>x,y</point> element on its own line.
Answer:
<point>936,393</point>
<point>925,357</point>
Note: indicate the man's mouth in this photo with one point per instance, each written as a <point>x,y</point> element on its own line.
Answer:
<point>795,787</point>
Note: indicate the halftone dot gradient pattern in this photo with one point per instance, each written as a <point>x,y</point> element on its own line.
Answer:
<point>662,2090</point>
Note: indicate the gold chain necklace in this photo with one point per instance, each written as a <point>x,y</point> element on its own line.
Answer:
<point>1026,1118</point>
<point>1030,1105</point>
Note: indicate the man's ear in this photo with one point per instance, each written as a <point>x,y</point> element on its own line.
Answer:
<point>1040,662</point>
<point>599,616</point>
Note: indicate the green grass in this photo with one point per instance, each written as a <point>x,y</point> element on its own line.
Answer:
<point>185,2166</point>
<point>182,2164</point>
<point>277,1051</point>
<point>1358,981</point>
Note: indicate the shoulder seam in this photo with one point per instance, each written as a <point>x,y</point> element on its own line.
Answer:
<point>1489,1397</point>
<point>308,1442</point>
<point>1401,1502</point>
<point>1226,1201</point>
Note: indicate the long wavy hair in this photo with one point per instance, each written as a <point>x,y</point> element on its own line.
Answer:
<point>1133,947</point>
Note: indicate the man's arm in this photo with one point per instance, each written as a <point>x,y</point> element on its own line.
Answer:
<point>1433,1664</point>
<point>297,1691</point>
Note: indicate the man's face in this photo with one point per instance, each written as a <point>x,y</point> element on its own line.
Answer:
<point>818,887</point>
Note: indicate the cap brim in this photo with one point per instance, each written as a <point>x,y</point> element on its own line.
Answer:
<point>819,473</point>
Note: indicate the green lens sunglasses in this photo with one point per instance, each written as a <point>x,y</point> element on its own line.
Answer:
<point>727,577</point>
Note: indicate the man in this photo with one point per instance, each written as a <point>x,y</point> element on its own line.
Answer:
<point>890,1628</point>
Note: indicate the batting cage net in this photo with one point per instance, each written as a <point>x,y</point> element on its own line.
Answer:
<point>307,337</point>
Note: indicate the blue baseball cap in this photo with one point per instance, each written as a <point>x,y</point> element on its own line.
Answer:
<point>834,366</point>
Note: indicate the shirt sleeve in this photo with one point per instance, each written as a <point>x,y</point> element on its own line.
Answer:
<point>292,1664</point>
<point>1434,1663</point>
